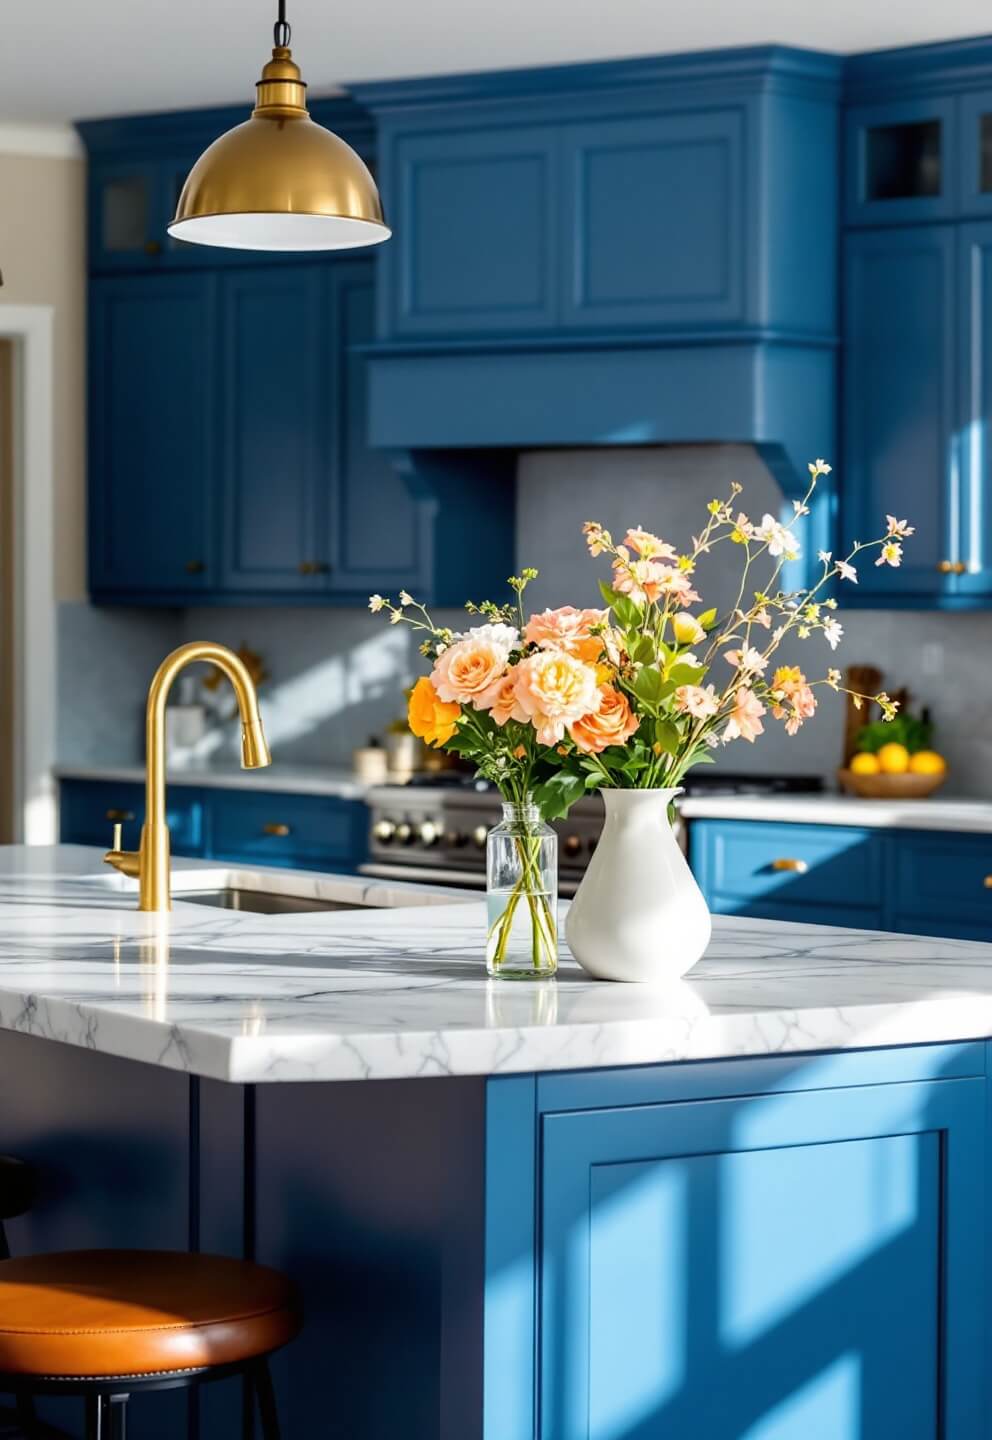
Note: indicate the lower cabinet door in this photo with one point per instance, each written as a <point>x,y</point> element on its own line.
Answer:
<point>802,1266</point>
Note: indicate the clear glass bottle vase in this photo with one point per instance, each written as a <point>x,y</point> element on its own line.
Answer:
<point>522,895</point>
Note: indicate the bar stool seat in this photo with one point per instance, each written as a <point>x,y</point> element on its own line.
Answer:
<point>94,1313</point>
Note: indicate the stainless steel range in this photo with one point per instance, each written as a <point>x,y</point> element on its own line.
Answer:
<point>434,829</point>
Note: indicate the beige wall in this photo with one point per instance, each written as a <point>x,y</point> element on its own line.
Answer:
<point>43,260</point>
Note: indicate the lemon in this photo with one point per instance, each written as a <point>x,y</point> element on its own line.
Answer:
<point>927,762</point>
<point>893,759</point>
<point>864,764</point>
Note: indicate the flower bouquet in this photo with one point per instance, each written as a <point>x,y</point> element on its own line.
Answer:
<point>627,697</point>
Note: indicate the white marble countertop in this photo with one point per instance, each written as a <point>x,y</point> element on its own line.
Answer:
<point>402,992</point>
<point>284,779</point>
<point>936,813</point>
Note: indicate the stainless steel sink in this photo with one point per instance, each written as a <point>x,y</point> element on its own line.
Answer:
<point>259,902</point>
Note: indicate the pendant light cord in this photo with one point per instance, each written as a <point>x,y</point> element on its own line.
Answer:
<point>281,32</point>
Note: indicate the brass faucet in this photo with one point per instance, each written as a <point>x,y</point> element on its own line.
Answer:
<point>150,862</point>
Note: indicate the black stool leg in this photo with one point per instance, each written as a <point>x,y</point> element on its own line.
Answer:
<point>26,1417</point>
<point>267,1412</point>
<point>106,1417</point>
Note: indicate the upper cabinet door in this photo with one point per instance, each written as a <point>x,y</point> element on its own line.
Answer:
<point>273,420</point>
<point>376,531</point>
<point>973,548</point>
<point>899,403</point>
<point>654,206</point>
<point>126,215</point>
<point>900,162</point>
<point>152,398</point>
<point>975,152</point>
<point>474,244</point>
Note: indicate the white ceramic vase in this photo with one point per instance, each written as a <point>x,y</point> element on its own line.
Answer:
<point>638,913</point>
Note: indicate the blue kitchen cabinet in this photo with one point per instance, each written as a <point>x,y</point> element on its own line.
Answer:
<point>667,195</point>
<point>900,406</point>
<point>901,161</point>
<point>973,511</point>
<point>975,152</point>
<point>273,429</point>
<point>474,212</point>
<point>259,827</point>
<point>918,882</point>
<point>814,874</point>
<point>152,400</point>
<point>741,1249</point>
<point>298,832</point>
<point>379,533</point>
<point>89,809</point>
<point>654,223</point>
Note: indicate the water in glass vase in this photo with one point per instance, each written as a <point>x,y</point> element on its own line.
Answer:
<point>522,895</point>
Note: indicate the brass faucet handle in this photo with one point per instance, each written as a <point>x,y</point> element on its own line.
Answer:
<point>128,862</point>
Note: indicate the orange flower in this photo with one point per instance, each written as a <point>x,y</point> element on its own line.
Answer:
<point>612,724</point>
<point>568,629</point>
<point>429,717</point>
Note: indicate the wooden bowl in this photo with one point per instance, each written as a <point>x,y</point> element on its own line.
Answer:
<point>890,787</point>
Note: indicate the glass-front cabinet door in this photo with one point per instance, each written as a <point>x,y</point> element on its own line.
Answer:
<point>899,162</point>
<point>975,153</point>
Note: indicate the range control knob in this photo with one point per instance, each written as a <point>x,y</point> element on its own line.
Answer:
<point>429,832</point>
<point>457,838</point>
<point>479,836</point>
<point>404,832</point>
<point>383,831</point>
<point>573,844</point>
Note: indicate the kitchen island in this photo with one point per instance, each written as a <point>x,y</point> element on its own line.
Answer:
<point>749,1205</point>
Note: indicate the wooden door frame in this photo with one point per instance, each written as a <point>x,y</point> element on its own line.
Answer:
<point>34,664</point>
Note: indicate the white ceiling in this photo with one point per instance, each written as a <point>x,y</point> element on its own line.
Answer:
<point>66,59</point>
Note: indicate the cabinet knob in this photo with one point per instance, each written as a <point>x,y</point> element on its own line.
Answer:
<point>987,882</point>
<point>797,867</point>
<point>951,567</point>
<point>153,247</point>
<point>118,817</point>
<point>275,827</point>
<point>313,567</point>
<point>194,567</point>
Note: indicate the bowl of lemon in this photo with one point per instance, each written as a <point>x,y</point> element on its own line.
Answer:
<point>894,761</point>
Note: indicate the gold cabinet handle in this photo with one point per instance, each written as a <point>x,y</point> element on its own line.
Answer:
<point>153,247</point>
<point>951,567</point>
<point>118,817</point>
<point>987,882</point>
<point>798,867</point>
<point>275,828</point>
<point>313,567</point>
<point>194,567</point>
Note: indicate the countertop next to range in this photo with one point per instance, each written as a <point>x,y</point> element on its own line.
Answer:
<point>402,992</point>
<point>826,809</point>
<point>954,813</point>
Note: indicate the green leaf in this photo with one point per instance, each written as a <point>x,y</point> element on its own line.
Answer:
<point>651,687</point>
<point>686,674</point>
<point>707,619</point>
<point>627,612</point>
<point>557,796</point>
<point>642,650</point>
<point>666,734</point>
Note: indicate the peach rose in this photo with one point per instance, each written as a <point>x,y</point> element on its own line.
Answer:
<point>501,700</point>
<point>567,629</point>
<point>612,724</point>
<point>428,716</point>
<point>468,668</point>
<point>554,688</point>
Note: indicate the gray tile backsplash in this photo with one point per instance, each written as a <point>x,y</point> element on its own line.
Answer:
<point>336,676</point>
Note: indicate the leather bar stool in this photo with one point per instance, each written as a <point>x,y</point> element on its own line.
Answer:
<point>108,1324</point>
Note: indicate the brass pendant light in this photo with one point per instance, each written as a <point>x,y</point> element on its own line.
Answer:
<point>279,181</point>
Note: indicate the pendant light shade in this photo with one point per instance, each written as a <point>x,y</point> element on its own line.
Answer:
<point>280,181</point>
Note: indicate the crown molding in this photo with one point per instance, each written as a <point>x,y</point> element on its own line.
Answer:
<point>55,142</point>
